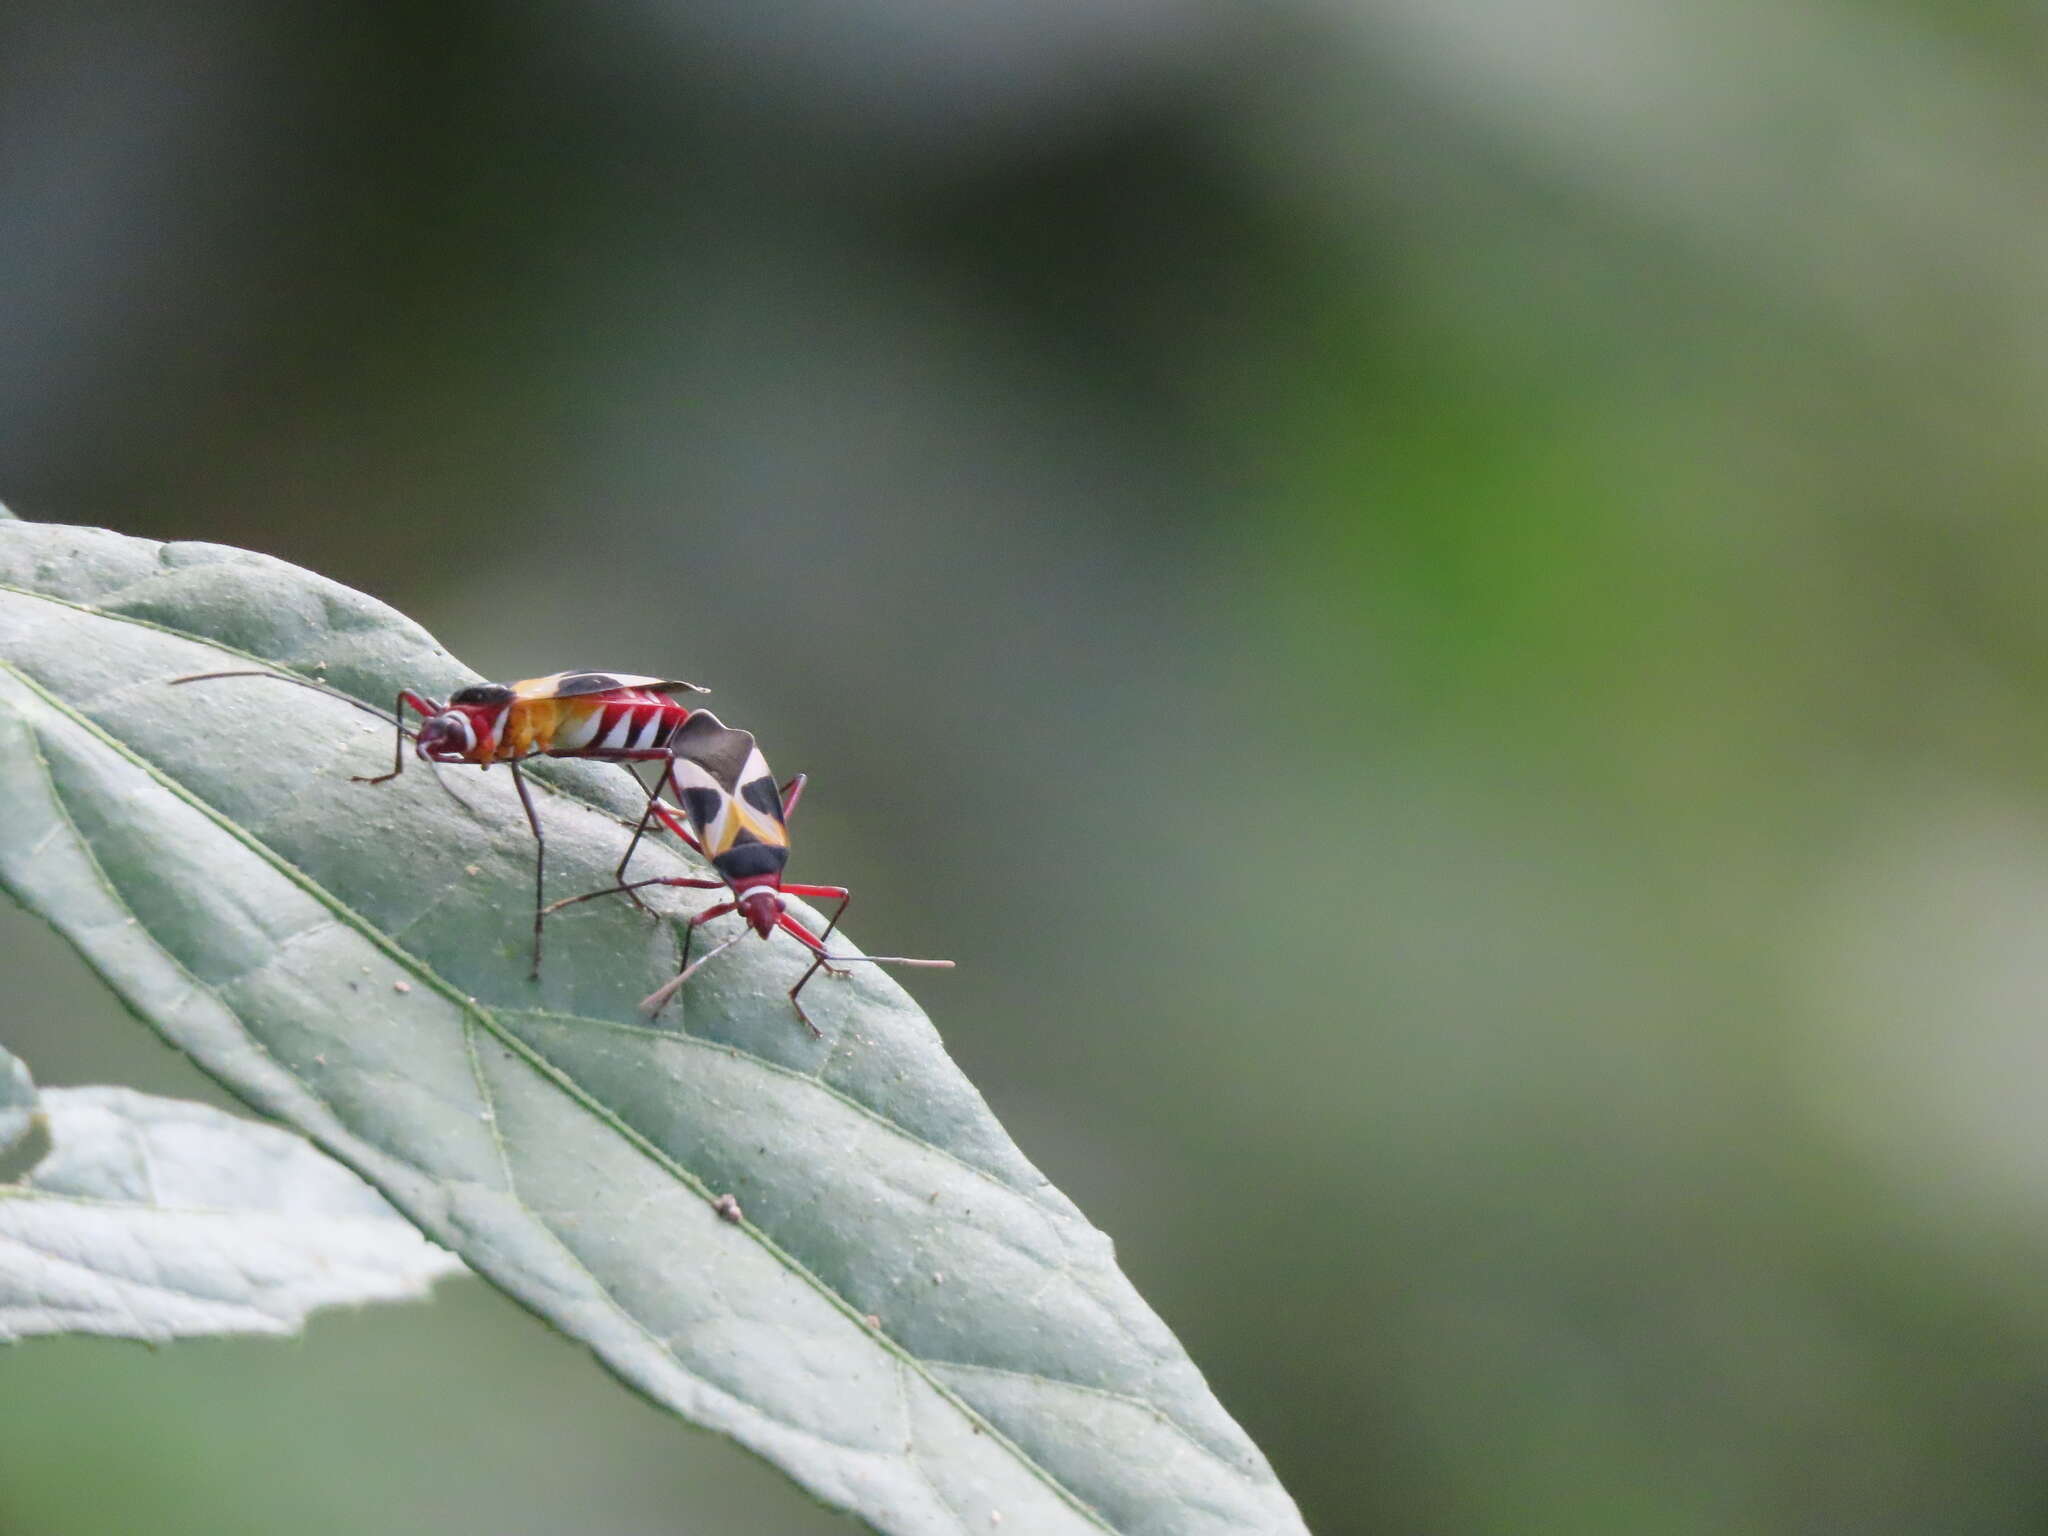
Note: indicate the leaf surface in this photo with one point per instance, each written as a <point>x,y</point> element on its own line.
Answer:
<point>908,1319</point>
<point>154,1219</point>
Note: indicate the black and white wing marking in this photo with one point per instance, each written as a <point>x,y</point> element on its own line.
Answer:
<point>727,791</point>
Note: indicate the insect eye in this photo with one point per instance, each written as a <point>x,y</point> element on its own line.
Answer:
<point>445,731</point>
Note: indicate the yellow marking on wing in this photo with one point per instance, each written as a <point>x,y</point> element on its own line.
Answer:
<point>537,687</point>
<point>736,817</point>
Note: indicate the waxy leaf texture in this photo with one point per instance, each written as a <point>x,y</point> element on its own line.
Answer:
<point>907,1317</point>
<point>155,1219</point>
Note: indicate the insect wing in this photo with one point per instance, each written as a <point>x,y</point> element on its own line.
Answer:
<point>576,685</point>
<point>727,789</point>
<point>707,805</point>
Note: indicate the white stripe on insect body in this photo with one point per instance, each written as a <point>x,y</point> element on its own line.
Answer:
<point>575,735</point>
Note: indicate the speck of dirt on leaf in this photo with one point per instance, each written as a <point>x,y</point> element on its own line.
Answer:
<point>727,1207</point>
<point>938,1277</point>
<point>472,869</point>
<point>401,986</point>
<point>872,1321</point>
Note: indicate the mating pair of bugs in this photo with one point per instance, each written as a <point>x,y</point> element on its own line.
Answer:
<point>733,812</point>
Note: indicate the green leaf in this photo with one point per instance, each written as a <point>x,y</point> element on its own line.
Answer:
<point>909,1319</point>
<point>155,1219</point>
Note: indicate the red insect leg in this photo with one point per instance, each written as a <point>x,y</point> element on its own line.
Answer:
<point>653,810</point>
<point>819,961</point>
<point>419,706</point>
<point>656,811</point>
<point>838,893</point>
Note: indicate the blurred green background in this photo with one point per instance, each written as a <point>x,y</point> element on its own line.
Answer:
<point>1440,602</point>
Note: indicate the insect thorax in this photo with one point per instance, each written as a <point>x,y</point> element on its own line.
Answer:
<point>750,861</point>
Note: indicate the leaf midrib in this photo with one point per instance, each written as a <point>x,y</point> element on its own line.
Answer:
<point>689,1041</point>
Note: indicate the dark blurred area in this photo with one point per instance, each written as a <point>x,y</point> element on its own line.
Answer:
<point>1437,602</point>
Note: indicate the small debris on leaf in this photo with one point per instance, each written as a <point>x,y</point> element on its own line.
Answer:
<point>727,1207</point>
<point>401,986</point>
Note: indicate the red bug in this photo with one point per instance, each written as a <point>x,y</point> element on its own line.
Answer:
<point>739,820</point>
<point>610,716</point>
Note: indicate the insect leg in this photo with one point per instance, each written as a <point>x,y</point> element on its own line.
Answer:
<point>822,960</point>
<point>422,708</point>
<point>634,885</point>
<point>802,1017</point>
<point>815,945</point>
<point>805,937</point>
<point>540,863</point>
<point>639,831</point>
<point>838,893</point>
<point>658,999</point>
<point>654,810</point>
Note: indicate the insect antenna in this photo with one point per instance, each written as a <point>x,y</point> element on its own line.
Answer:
<point>816,946</point>
<point>303,682</point>
<point>658,999</point>
<point>333,693</point>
